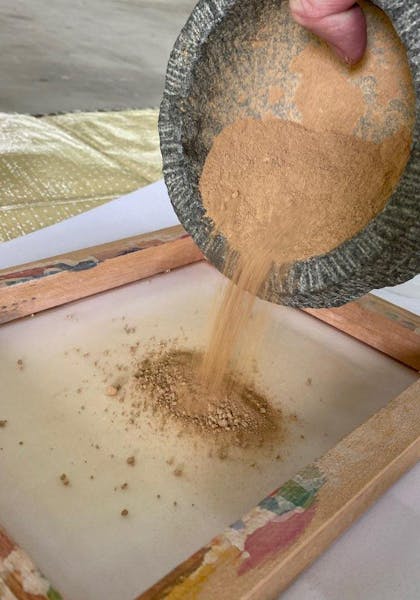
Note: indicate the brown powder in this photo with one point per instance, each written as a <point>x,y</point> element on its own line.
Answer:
<point>111,390</point>
<point>232,316</point>
<point>167,383</point>
<point>371,100</point>
<point>281,192</point>
<point>64,479</point>
<point>294,191</point>
<point>275,94</point>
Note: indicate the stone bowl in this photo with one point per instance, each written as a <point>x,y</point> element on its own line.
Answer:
<point>227,59</point>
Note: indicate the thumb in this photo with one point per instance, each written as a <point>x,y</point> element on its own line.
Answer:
<point>341,23</point>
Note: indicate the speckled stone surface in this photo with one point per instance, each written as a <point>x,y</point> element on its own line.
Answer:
<point>386,252</point>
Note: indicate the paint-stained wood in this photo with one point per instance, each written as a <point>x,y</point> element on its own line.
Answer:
<point>19,578</point>
<point>260,555</point>
<point>44,284</point>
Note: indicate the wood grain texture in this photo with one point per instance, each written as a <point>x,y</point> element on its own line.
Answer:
<point>388,328</point>
<point>52,282</point>
<point>260,555</point>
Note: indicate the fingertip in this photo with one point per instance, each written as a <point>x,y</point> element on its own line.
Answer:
<point>345,31</point>
<point>349,35</point>
<point>351,57</point>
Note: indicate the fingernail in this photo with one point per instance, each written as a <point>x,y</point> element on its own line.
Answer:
<point>341,55</point>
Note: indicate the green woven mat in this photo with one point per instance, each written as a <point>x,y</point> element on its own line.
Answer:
<point>52,168</point>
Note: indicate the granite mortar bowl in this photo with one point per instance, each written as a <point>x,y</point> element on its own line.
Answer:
<point>226,58</point>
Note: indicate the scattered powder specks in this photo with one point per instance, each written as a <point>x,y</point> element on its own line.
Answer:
<point>64,479</point>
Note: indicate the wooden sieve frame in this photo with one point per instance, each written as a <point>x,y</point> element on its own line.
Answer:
<point>300,519</point>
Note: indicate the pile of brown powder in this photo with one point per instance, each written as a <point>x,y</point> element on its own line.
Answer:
<point>167,383</point>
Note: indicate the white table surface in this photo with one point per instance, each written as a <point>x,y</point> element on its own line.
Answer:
<point>378,558</point>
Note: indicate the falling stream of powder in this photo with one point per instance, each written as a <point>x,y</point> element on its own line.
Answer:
<point>232,317</point>
<point>281,192</point>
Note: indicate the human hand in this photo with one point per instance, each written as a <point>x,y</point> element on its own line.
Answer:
<point>341,23</point>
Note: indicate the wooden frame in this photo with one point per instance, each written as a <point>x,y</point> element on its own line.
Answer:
<point>259,555</point>
<point>51,282</point>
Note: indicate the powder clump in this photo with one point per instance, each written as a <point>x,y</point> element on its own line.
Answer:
<point>167,382</point>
